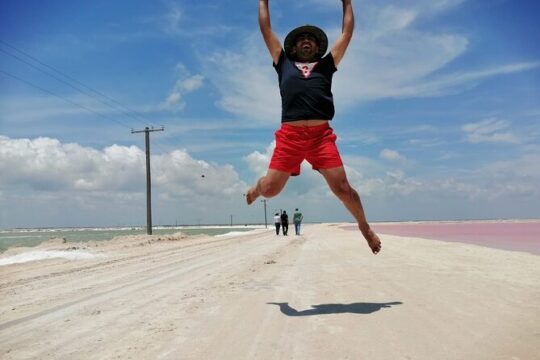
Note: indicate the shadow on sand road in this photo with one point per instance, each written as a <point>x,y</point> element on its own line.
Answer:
<point>324,309</point>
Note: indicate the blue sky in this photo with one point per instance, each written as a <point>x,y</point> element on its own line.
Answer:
<point>437,110</point>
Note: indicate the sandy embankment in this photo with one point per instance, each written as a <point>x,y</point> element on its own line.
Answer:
<point>322,295</point>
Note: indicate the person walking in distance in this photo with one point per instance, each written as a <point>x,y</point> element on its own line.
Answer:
<point>277,222</point>
<point>305,83</point>
<point>297,219</point>
<point>285,222</point>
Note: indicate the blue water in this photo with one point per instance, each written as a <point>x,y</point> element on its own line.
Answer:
<point>34,237</point>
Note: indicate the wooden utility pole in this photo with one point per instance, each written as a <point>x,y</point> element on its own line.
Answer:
<point>147,132</point>
<point>265,221</point>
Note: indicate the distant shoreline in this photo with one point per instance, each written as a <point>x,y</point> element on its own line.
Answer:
<point>34,237</point>
<point>210,226</point>
<point>105,228</point>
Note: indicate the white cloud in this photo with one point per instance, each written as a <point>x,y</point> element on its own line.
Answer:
<point>47,165</point>
<point>46,182</point>
<point>456,81</point>
<point>427,7</point>
<point>385,62</point>
<point>511,179</point>
<point>391,155</point>
<point>185,83</point>
<point>246,81</point>
<point>180,176</point>
<point>172,20</point>
<point>493,181</point>
<point>392,18</point>
<point>489,130</point>
<point>524,168</point>
<point>178,22</point>
<point>50,181</point>
<point>258,162</point>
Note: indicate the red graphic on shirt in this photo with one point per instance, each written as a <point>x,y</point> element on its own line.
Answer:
<point>306,68</point>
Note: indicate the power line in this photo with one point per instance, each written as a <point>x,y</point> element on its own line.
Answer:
<point>119,106</point>
<point>72,82</point>
<point>61,97</point>
<point>68,101</point>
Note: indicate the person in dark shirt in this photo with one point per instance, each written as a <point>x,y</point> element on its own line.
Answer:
<point>285,222</point>
<point>307,106</point>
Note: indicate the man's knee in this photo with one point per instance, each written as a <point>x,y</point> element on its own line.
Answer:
<point>270,187</point>
<point>343,189</point>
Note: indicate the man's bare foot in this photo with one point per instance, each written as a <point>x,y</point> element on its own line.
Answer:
<point>252,195</point>
<point>372,239</point>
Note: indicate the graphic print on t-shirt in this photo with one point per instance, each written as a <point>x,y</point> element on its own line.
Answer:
<point>305,68</point>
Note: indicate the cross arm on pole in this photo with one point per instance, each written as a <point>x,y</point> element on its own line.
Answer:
<point>148,129</point>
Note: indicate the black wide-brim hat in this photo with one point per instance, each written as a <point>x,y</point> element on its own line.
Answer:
<point>322,39</point>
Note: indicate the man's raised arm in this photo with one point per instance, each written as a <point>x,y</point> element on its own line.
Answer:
<point>341,44</point>
<point>271,40</point>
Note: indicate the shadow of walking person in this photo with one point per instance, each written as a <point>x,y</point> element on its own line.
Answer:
<point>324,309</point>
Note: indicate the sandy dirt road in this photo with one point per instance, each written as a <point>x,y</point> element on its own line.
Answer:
<point>321,295</point>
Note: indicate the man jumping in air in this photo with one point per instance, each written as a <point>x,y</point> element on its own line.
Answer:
<point>305,81</point>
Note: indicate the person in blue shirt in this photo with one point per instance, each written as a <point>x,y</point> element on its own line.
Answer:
<point>305,82</point>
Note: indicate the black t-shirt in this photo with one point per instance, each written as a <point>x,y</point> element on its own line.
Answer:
<point>284,218</point>
<point>306,89</point>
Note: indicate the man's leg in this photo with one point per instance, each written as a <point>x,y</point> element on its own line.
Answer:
<point>338,183</point>
<point>268,186</point>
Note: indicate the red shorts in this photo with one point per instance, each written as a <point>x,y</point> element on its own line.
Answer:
<point>316,144</point>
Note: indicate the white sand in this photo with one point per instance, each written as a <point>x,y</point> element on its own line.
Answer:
<point>210,298</point>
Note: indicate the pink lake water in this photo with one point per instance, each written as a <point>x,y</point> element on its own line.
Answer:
<point>507,235</point>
